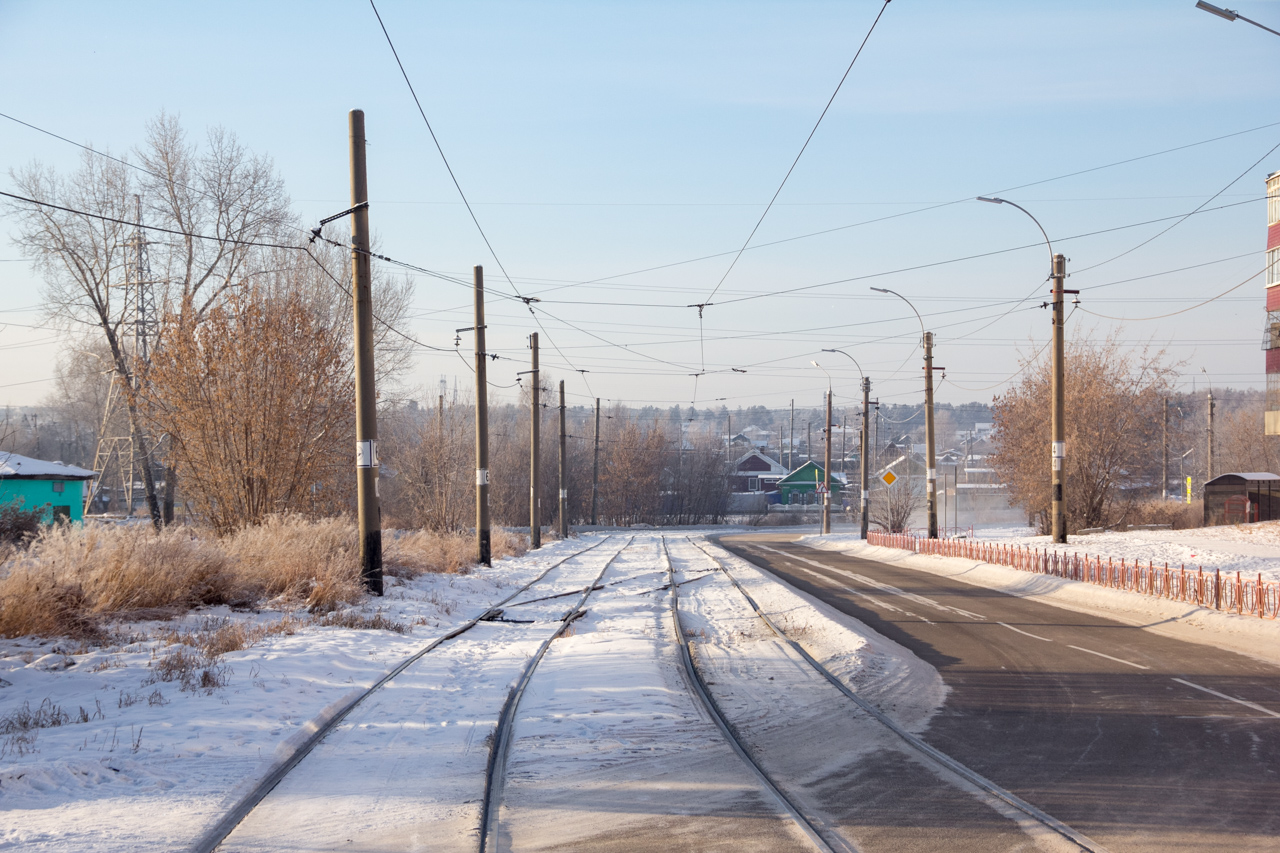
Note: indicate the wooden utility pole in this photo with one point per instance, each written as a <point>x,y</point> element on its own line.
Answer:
<point>791,444</point>
<point>483,541</point>
<point>826,471</point>
<point>595,469</point>
<point>1059,447</point>
<point>865,450</point>
<point>564,472</point>
<point>931,470</point>
<point>368,513</point>
<point>535,447</point>
<point>1164,454</point>
<point>1209,469</point>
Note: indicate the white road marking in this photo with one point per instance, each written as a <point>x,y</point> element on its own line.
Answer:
<point>1109,657</point>
<point>1247,704</point>
<point>1024,633</point>
<point>883,587</point>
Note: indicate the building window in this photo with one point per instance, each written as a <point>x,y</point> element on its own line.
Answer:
<point>1273,267</point>
<point>58,486</point>
<point>753,484</point>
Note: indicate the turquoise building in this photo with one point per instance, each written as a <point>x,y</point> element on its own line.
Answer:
<point>61,489</point>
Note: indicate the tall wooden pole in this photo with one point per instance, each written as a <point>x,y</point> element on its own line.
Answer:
<point>826,470</point>
<point>564,472</point>
<point>1209,468</point>
<point>368,513</point>
<point>931,469</point>
<point>1164,454</point>
<point>864,462</point>
<point>483,540</point>
<point>1059,447</point>
<point>595,469</point>
<point>535,448</point>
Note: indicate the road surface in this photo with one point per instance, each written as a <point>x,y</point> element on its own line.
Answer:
<point>1142,742</point>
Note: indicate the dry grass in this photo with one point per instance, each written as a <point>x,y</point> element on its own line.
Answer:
<point>73,579</point>
<point>423,551</point>
<point>316,563</point>
<point>1180,515</point>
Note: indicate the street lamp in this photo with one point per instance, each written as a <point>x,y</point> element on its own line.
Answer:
<point>1058,441</point>
<point>1230,15</point>
<point>931,471</point>
<point>864,438</point>
<point>826,467</point>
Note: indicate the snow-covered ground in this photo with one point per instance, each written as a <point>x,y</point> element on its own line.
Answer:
<point>1246,548</point>
<point>150,765</point>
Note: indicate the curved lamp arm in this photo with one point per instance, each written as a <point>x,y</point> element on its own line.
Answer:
<point>1033,219</point>
<point>851,358</point>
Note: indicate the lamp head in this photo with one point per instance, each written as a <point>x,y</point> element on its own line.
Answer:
<point>1214,10</point>
<point>879,290</point>
<point>991,200</point>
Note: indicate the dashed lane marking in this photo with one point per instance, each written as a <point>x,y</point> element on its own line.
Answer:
<point>1243,702</point>
<point>1024,633</point>
<point>1109,657</point>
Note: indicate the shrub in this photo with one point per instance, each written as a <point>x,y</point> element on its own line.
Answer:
<point>17,525</point>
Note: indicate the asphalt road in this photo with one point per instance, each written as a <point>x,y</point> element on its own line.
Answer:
<point>1142,742</point>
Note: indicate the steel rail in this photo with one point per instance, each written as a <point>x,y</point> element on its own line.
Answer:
<point>936,755</point>
<point>699,688</point>
<point>218,833</point>
<point>500,745</point>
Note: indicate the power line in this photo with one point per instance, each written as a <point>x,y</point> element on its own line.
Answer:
<point>528,301</point>
<point>794,162</point>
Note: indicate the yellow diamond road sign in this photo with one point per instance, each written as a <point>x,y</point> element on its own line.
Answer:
<point>889,478</point>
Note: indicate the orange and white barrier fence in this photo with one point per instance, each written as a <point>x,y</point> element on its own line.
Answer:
<point>1231,595</point>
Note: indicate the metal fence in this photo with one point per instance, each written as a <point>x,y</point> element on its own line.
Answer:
<point>1230,595</point>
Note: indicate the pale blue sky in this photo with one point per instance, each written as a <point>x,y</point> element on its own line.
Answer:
<point>602,138</point>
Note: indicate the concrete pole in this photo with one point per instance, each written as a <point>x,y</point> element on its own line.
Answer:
<point>791,445</point>
<point>564,472</point>
<point>368,513</point>
<point>863,453</point>
<point>483,541</point>
<point>535,448</point>
<point>826,470</point>
<point>1058,449</point>
<point>931,470</point>
<point>595,470</point>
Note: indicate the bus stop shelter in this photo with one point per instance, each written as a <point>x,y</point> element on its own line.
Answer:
<point>1241,498</point>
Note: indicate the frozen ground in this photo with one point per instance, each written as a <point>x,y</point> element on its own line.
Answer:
<point>149,765</point>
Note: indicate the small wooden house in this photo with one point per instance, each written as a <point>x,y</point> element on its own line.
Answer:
<point>801,485</point>
<point>59,488</point>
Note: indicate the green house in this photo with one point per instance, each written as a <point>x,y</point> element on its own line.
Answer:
<point>59,488</point>
<point>801,485</point>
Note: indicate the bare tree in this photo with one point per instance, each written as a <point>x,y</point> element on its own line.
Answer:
<point>221,202</point>
<point>1114,404</point>
<point>891,508</point>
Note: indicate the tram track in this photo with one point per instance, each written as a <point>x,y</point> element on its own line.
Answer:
<point>820,834</point>
<point>214,836</point>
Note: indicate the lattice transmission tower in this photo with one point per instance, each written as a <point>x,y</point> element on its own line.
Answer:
<point>124,453</point>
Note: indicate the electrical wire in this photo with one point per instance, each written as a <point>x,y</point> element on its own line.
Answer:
<point>796,161</point>
<point>1184,310</point>
<point>1184,218</point>
<point>528,301</point>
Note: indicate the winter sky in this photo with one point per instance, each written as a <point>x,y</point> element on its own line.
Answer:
<point>598,139</point>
